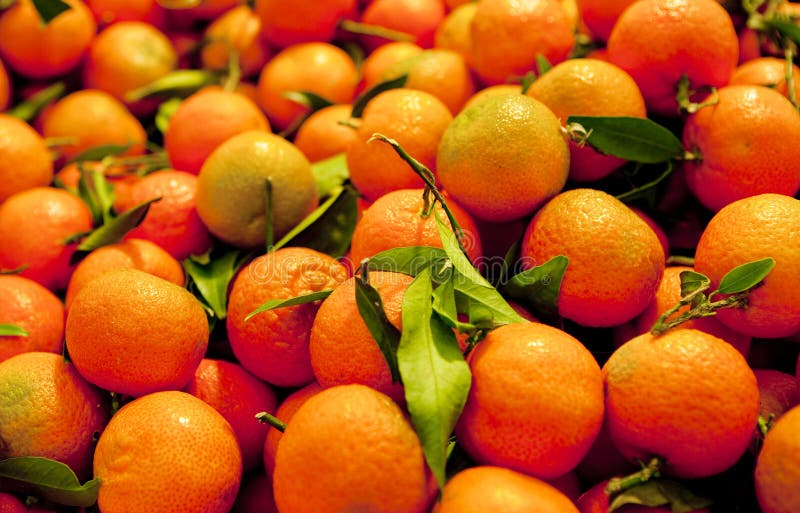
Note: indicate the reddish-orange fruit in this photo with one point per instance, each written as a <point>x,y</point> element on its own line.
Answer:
<point>744,145</point>
<point>660,41</point>
<point>37,50</point>
<point>5,88</point>
<point>24,159</point>
<point>416,120</point>
<point>286,23</point>
<point>604,284</point>
<point>210,9</point>
<point>417,18</point>
<point>90,118</point>
<point>204,121</point>
<point>503,182</point>
<point>11,504</point>
<point>657,229</point>
<point>235,31</point>
<point>47,409</point>
<point>778,466</point>
<point>487,489</point>
<point>109,11</point>
<point>778,393</point>
<point>342,348</point>
<point>596,500</point>
<point>167,448</point>
<point>171,222</point>
<point>238,396</point>
<point>589,87</point>
<point>668,295</point>
<point>126,56</point>
<point>255,495</point>
<point>395,220</point>
<point>130,254</point>
<point>686,396</point>
<point>383,58</point>
<point>273,344</point>
<point>751,229</point>
<point>134,333</point>
<point>34,227</point>
<point>336,445</point>
<point>285,413</point>
<point>603,461</point>
<point>600,16</point>
<point>27,305</point>
<point>507,36</point>
<point>319,68</point>
<point>769,72</point>
<point>535,404</point>
<point>322,135</point>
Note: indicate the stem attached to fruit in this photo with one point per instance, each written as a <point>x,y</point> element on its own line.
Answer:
<point>266,418</point>
<point>620,484</point>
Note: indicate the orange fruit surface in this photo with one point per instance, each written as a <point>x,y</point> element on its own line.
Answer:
<point>28,305</point>
<point>778,466</point>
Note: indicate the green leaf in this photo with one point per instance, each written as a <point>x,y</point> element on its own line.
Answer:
<point>542,64</point>
<point>182,82</point>
<point>435,376</point>
<point>745,276</point>
<point>292,301</point>
<point>49,9</point>
<point>692,281</point>
<point>308,99</point>
<point>329,228</point>
<point>659,492</point>
<point>630,138</point>
<point>101,152</point>
<point>385,334</point>
<point>165,112</point>
<point>330,174</point>
<point>539,286</point>
<point>786,27</point>
<point>12,330</point>
<point>445,305</point>
<point>49,480</point>
<point>112,231</point>
<point>31,107</point>
<point>210,275</point>
<point>409,260</point>
<point>366,96</point>
<point>96,192</point>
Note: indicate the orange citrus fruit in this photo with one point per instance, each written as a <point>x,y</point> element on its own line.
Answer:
<point>417,18</point>
<point>778,466</point>
<point>22,148</point>
<point>235,31</point>
<point>322,135</point>
<point>28,305</point>
<point>767,71</point>
<point>600,16</point>
<point>285,412</point>
<point>382,58</point>
<point>285,23</point>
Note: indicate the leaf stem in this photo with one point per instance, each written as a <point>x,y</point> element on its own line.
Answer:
<point>620,484</point>
<point>267,418</point>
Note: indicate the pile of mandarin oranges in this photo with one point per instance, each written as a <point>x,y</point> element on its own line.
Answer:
<point>399,256</point>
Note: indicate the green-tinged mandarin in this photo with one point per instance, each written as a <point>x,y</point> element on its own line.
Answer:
<point>232,188</point>
<point>503,156</point>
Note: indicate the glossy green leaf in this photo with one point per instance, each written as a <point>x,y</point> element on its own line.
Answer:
<point>165,112</point>
<point>630,138</point>
<point>96,192</point>
<point>330,174</point>
<point>329,228</point>
<point>210,275</point>
<point>31,107</point>
<point>787,28</point>
<point>539,286</point>
<point>182,82</point>
<point>409,260</point>
<point>435,376</point>
<point>370,307</point>
<point>113,231</point>
<point>361,102</point>
<point>745,276</point>
<point>692,281</point>
<point>445,305</point>
<point>12,330</point>
<point>308,99</point>
<point>292,301</point>
<point>48,479</point>
<point>49,9</point>
<point>659,492</point>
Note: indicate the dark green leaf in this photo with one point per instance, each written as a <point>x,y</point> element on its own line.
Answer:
<point>49,480</point>
<point>327,229</point>
<point>745,276</point>
<point>366,96</point>
<point>165,112</point>
<point>113,231</point>
<point>692,281</point>
<point>211,275</point>
<point>101,152</point>
<point>630,138</point>
<point>539,286</point>
<point>385,334</point>
<point>31,107</point>
<point>435,376</point>
<point>12,330</point>
<point>96,192</point>
<point>49,9</point>
<point>330,174</point>
<point>355,52</point>
<point>787,28</point>
<point>292,301</point>
<point>182,82</point>
<point>308,99</point>
<point>542,64</point>
<point>409,260</point>
<point>659,492</point>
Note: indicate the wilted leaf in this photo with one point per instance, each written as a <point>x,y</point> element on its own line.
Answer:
<point>48,479</point>
<point>745,276</point>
